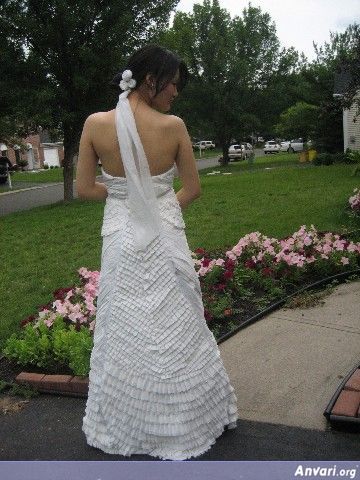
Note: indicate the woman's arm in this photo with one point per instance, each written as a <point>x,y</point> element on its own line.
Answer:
<point>186,165</point>
<point>86,186</point>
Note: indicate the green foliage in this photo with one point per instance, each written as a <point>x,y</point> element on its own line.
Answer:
<point>297,121</point>
<point>73,348</point>
<point>57,83</point>
<point>59,345</point>
<point>336,158</point>
<point>33,347</point>
<point>232,61</point>
<point>219,305</point>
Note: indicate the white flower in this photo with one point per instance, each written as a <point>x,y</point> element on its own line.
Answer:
<point>127,82</point>
<point>127,74</point>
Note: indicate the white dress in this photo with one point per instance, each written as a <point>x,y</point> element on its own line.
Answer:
<point>157,384</point>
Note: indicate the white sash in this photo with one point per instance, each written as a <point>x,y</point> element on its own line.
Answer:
<point>144,211</point>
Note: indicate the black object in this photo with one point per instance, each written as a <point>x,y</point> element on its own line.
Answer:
<point>5,167</point>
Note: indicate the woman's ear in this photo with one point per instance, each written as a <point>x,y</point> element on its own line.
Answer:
<point>150,80</point>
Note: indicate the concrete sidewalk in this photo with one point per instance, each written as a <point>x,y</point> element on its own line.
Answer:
<point>285,368</point>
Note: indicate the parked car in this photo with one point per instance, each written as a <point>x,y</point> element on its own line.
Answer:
<point>204,145</point>
<point>292,146</point>
<point>271,147</point>
<point>240,150</point>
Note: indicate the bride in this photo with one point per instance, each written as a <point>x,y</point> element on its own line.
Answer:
<point>157,384</point>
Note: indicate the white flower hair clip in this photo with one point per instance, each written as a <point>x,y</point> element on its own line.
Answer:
<point>127,82</point>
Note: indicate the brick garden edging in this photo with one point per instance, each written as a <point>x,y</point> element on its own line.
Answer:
<point>344,407</point>
<point>56,384</point>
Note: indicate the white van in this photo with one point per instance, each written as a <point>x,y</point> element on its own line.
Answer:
<point>204,145</point>
<point>292,146</point>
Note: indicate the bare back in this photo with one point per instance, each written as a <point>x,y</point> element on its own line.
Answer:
<point>165,140</point>
<point>157,132</point>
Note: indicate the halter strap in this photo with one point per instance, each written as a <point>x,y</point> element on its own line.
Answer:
<point>144,211</point>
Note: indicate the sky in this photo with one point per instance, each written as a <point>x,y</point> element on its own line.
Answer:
<point>298,23</point>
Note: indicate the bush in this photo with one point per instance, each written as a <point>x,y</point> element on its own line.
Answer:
<point>52,348</point>
<point>335,158</point>
<point>323,159</point>
<point>22,163</point>
<point>46,166</point>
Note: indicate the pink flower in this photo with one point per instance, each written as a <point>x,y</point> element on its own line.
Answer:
<point>307,241</point>
<point>231,255</point>
<point>327,248</point>
<point>69,295</point>
<point>345,261</point>
<point>60,308</point>
<point>339,244</point>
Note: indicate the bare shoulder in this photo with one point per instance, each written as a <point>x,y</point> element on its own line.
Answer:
<point>98,118</point>
<point>176,121</point>
<point>177,124</point>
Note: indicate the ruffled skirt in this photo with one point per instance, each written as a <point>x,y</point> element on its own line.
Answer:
<point>157,384</point>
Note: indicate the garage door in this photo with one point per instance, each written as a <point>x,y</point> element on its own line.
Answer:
<point>51,156</point>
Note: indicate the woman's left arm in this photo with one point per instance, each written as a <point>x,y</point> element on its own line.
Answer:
<point>86,186</point>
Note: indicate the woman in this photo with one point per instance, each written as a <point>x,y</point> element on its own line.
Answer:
<point>157,384</point>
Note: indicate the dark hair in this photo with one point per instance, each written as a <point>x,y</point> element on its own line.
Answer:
<point>160,62</point>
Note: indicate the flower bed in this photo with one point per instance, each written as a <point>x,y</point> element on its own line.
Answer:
<point>59,338</point>
<point>236,285</point>
<point>258,271</point>
<point>354,202</point>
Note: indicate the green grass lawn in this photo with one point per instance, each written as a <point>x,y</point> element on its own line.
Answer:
<point>42,248</point>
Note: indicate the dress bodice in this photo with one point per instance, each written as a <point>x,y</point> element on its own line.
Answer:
<point>117,202</point>
<point>117,186</point>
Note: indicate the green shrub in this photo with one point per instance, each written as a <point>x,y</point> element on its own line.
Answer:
<point>323,159</point>
<point>348,157</point>
<point>60,345</point>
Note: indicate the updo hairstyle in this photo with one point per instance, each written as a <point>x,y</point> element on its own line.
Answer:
<point>158,61</point>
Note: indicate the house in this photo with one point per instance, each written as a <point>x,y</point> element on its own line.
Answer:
<point>39,151</point>
<point>351,118</point>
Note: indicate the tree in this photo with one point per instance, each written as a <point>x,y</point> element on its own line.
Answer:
<point>72,50</point>
<point>317,86</point>
<point>231,62</point>
<point>298,121</point>
<point>351,64</point>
